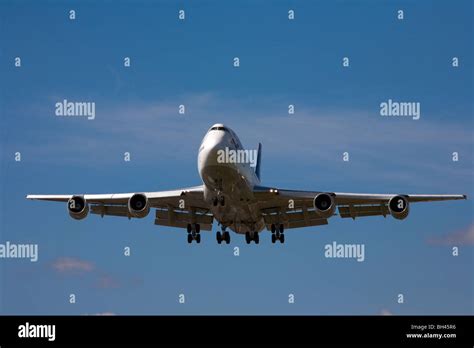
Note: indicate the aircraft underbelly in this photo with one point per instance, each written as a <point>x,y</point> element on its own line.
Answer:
<point>239,213</point>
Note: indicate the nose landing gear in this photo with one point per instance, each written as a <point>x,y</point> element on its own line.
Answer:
<point>218,200</point>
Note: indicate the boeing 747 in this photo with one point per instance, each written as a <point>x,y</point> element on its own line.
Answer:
<point>232,194</point>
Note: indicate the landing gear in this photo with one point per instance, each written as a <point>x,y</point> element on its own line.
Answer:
<point>277,234</point>
<point>255,237</point>
<point>224,236</point>
<point>218,200</point>
<point>193,233</point>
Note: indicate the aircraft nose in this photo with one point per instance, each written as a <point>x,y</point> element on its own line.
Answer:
<point>212,147</point>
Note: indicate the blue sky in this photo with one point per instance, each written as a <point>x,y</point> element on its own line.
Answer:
<point>282,62</point>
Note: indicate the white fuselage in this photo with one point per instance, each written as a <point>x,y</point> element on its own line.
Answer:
<point>229,177</point>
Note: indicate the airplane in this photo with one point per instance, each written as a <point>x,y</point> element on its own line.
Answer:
<point>231,193</point>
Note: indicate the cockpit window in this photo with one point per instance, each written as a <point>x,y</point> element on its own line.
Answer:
<point>220,128</point>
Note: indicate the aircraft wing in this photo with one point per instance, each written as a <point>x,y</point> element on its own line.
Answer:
<point>122,198</point>
<point>296,208</point>
<point>175,208</point>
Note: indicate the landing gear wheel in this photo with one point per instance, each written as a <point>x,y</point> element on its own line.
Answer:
<point>282,238</point>
<point>256,238</point>
<point>197,228</point>
<point>198,238</point>
<point>281,228</point>
<point>222,200</point>
<point>273,238</point>
<point>189,228</point>
<point>214,202</point>
<point>227,237</point>
<point>273,228</point>
<point>247,237</point>
<point>219,237</point>
<point>190,238</point>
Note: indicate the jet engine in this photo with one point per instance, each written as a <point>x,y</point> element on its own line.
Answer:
<point>77,207</point>
<point>138,205</point>
<point>324,205</point>
<point>398,207</point>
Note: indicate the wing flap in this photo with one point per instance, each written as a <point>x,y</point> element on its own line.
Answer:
<point>181,218</point>
<point>292,218</point>
<point>110,210</point>
<point>351,211</point>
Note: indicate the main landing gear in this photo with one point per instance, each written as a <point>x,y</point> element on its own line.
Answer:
<point>252,237</point>
<point>193,233</point>
<point>223,236</point>
<point>277,234</point>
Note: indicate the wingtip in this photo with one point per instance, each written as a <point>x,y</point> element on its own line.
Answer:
<point>464,196</point>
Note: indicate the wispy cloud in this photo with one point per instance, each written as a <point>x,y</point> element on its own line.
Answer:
<point>72,265</point>
<point>105,313</point>
<point>396,149</point>
<point>102,314</point>
<point>106,281</point>
<point>99,279</point>
<point>460,237</point>
<point>385,312</point>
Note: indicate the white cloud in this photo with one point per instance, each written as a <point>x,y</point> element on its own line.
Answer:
<point>462,237</point>
<point>385,312</point>
<point>400,150</point>
<point>71,265</point>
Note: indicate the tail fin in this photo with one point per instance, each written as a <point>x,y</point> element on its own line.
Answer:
<point>259,161</point>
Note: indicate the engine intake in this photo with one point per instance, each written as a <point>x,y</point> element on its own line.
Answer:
<point>398,207</point>
<point>324,205</point>
<point>77,207</point>
<point>138,205</point>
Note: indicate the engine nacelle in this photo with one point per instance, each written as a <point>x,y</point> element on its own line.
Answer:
<point>324,205</point>
<point>398,207</point>
<point>138,205</point>
<point>77,207</point>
